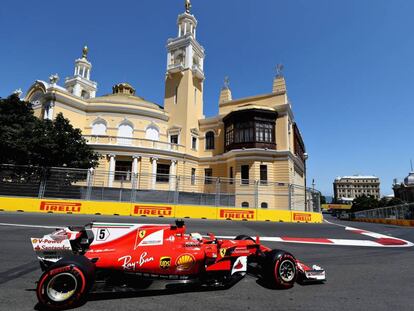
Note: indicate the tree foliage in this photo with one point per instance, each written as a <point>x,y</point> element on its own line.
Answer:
<point>364,203</point>
<point>27,140</point>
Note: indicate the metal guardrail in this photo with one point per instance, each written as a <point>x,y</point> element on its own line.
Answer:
<point>402,211</point>
<point>67,183</point>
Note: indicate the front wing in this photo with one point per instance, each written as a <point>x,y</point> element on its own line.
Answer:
<point>310,274</point>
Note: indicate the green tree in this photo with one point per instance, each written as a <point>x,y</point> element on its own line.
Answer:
<point>27,140</point>
<point>395,201</point>
<point>323,199</point>
<point>17,125</point>
<point>363,203</point>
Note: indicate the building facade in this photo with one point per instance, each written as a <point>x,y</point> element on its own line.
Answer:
<point>347,188</point>
<point>251,139</point>
<point>405,190</point>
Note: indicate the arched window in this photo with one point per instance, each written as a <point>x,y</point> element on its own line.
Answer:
<point>125,133</point>
<point>245,204</point>
<point>152,133</point>
<point>84,94</point>
<point>263,205</point>
<point>99,128</point>
<point>210,140</point>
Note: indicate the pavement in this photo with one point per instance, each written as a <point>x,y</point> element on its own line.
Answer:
<point>359,277</point>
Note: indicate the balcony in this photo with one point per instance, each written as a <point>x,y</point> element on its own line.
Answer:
<point>198,72</point>
<point>174,68</point>
<point>132,142</point>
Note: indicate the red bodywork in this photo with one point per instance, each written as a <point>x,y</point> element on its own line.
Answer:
<point>177,254</point>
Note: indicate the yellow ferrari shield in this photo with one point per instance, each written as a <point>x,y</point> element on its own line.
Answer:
<point>223,252</point>
<point>142,233</point>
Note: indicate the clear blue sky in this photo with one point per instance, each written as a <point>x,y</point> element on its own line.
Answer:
<point>349,64</point>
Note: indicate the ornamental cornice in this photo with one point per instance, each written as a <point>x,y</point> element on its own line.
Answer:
<point>180,42</point>
<point>78,103</point>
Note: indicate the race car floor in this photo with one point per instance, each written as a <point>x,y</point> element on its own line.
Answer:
<point>359,277</point>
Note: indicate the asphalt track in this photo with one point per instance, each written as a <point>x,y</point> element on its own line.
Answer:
<point>359,278</point>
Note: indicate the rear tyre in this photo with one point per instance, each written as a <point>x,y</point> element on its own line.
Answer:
<point>66,283</point>
<point>280,269</point>
<point>244,237</point>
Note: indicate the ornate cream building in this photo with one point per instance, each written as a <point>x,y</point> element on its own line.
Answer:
<point>253,138</point>
<point>347,188</point>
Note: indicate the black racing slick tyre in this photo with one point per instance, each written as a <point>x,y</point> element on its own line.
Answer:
<point>280,270</point>
<point>243,237</point>
<point>66,283</point>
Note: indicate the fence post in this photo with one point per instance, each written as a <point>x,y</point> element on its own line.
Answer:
<point>176,190</point>
<point>120,190</point>
<point>89,183</point>
<point>134,186</point>
<point>217,196</point>
<point>42,186</point>
<point>256,194</point>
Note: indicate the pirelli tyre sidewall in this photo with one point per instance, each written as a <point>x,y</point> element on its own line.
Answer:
<point>281,270</point>
<point>66,283</point>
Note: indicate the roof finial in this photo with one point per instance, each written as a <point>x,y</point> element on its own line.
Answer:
<point>226,82</point>
<point>187,6</point>
<point>411,162</point>
<point>279,70</point>
<point>53,79</point>
<point>85,51</point>
<point>18,92</point>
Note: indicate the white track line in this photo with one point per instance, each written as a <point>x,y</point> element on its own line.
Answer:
<point>30,226</point>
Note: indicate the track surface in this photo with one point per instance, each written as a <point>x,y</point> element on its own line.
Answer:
<point>359,278</point>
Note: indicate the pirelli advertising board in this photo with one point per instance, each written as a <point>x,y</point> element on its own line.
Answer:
<point>336,206</point>
<point>153,211</point>
<point>236,214</point>
<point>60,207</point>
<point>158,210</point>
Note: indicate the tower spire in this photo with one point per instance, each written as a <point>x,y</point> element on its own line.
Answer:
<point>80,83</point>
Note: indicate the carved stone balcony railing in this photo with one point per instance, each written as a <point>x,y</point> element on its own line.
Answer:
<point>174,68</point>
<point>132,142</point>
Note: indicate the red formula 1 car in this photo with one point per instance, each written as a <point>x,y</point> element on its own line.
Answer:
<point>110,257</point>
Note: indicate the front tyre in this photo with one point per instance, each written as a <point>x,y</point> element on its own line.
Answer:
<point>280,269</point>
<point>66,283</point>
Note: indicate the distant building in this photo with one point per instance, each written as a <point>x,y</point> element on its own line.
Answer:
<point>405,190</point>
<point>347,188</point>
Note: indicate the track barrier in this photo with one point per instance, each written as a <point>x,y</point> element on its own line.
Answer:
<point>396,222</point>
<point>14,204</point>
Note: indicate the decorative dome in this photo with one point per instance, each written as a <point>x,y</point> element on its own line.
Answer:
<point>123,88</point>
<point>409,180</point>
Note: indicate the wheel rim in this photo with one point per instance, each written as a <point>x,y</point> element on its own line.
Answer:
<point>287,270</point>
<point>61,287</point>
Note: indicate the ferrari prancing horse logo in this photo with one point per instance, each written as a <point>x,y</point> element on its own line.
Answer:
<point>223,252</point>
<point>142,233</point>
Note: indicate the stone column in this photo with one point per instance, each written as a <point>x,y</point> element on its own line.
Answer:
<point>135,176</point>
<point>154,172</point>
<point>173,174</point>
<point>111,174</point>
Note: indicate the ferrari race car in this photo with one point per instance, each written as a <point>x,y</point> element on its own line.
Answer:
<point>103,257</point>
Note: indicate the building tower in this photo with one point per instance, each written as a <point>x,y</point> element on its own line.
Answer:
<point>184,81</point>
<point>80,84</point>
